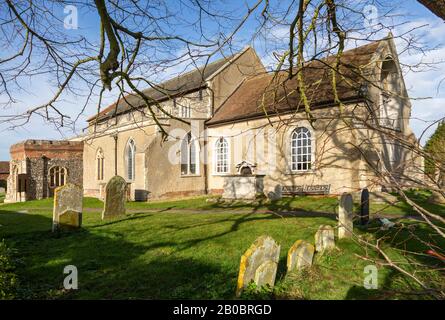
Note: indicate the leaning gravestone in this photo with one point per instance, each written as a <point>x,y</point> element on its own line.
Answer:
<point>67,198</point>
<point>115,197</point>
<point>259,264</point>
<point>364,207</point>
<point>345,216</point>
<point>300,255</point>
<point>324,238</point>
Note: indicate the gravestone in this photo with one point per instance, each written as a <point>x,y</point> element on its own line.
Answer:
<point>70,219</point>
<point>259,264</point>
<point>364,207</point>
<point>324,238</point>
<point>345,216</point>
<point>67,198</point>
<point>300,255</point>
<point>115,198</point>
<point>436,198</point>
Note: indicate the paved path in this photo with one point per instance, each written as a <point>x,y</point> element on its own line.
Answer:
<point>287,213</point>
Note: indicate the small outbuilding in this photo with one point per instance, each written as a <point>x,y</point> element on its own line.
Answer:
<point>37,167</point>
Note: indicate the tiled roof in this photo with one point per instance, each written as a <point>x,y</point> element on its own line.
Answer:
<point>183,83</point>
<point>272,95</point>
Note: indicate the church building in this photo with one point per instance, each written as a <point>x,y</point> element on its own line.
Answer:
<point>233,118</point>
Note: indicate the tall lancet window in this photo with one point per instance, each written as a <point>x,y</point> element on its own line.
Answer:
<point>301,150</point>
<point>130,159</point>
<point>100,165</point>
<point>222,156</point>
<point>189,155</point>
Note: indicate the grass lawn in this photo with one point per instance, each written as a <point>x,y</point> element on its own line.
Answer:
<point>311,205</point>
<point>2,197</point>
<point>188,249</point>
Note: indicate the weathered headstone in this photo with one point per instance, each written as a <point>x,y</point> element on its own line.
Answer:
<point>300,255</point>
<point>67,198</point>
<point>259,264</point>
<point>324,238</point>
<point>345,216</point>
<point>70,219</point>
<point>364,207</point>
<point>436,198</point>
<point>115,198</point>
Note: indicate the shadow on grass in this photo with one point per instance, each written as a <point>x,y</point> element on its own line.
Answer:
<point>115,220</point>
<point>409,241</point>
<point>109,267</point>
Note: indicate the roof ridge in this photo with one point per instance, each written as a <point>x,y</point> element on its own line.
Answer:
<point>162,87</point>
<point>199,68</point>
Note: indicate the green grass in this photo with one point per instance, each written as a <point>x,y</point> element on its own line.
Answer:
<point>2,197</point>
<point>309,204</point>
<point>186,249</point>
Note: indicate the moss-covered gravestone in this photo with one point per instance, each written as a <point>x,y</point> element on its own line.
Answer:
<point>259,264</point>
<point>70,219</point>
<point>345,216</point>
<point>115,198</point>
<point>300,255</point>
<point>67,198</point>
<point>324,238</point>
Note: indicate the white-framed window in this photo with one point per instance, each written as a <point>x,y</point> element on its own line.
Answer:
<point>222,159</point>
<point>100,165</point>
<point>301,150</point>
<point>57,176</point>
<point>130,159</point>
<point>189,155</point>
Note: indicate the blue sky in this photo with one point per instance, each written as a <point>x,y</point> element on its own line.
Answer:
<point>420,84</point>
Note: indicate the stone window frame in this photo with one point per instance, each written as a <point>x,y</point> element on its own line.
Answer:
<point>100,163</point>
<point>51,181</point>
<point>187,143</point>
<point>294,169</point>
<point>130,164</point>
<point>216,153</point>
<point>385,96</point>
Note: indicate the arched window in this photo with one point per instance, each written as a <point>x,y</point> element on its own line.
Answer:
<point>222,156</point>
<point>130,159</point>
<point>189,155</point>
<point>391,107</point>
<point>389,76</point>
<point>100,165</point>
<point>301,150</point>
<point>57,176</point>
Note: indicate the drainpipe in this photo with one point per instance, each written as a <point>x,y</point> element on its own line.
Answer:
<point>115,153</point>
<point>206,177</point>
